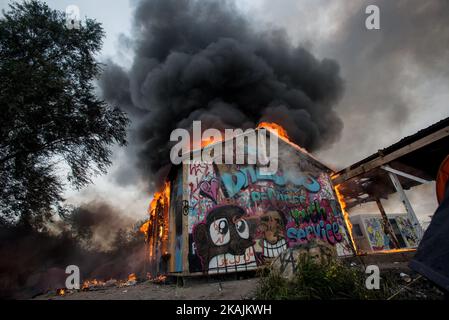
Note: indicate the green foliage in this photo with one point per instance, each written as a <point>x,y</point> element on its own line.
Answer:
<point>319,280</point>
<point>50,116</point>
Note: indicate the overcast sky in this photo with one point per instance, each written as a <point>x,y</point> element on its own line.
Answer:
<point>114,15</point>
<point>396,78</point>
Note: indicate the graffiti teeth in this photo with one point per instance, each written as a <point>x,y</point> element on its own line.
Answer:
<point>273,250</point>
<point>230,263</point>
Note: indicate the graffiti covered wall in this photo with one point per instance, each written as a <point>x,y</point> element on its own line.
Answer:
<point>379,240</point>
<point>407,231</point>
<point>239,218</point>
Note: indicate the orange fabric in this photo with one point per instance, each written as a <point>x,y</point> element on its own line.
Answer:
<point>442,179</point>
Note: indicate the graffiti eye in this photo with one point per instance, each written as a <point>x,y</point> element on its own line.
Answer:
<point>242,229</point>
<point>219,232</point>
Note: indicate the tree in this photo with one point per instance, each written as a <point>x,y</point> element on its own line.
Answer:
<point>50,115</point>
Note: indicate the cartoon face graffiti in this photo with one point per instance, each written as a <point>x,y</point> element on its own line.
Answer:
<point>224,241</point>
<point>272,226</point>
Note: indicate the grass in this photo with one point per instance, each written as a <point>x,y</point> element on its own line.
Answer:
<point>326,279</point>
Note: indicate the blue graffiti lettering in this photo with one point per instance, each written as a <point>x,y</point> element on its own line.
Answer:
<point>235,182</point>
<point>325,231</point>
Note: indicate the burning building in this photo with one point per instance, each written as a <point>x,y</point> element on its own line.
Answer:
<point>221,218</point>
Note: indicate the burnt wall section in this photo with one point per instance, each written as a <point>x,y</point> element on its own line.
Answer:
<point>158,232</point>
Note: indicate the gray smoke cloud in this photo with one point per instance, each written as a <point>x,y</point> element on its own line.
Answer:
<point>98,222</point>
<point>396,78</point>
<point>394,75</point>
<point>203,60</point>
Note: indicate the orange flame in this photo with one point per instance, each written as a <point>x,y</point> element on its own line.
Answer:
<point>163,198</point>
<point>164,201</point>
<point>208,141</point>
<point>132,277</point>
<point>160,278</point>
<point>396,250</point>
<point>161,231</point>
<point>60,292</point>
<point>276,128</point>
<point>342,202</point>
<point>92,283</point>
<point>282,133</point>
<point>156,228</point>
<point>144,228</point>
<point>153,204</point>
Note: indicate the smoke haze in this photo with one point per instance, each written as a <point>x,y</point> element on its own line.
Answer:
<point>397,78</point>
<point>197,60</point>
<point>96,237</point>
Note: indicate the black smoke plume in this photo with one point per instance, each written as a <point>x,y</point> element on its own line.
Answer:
<point>203,60</point>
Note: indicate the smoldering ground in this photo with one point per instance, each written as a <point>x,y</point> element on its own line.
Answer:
<point>203,60</point>
<point>97,238</point>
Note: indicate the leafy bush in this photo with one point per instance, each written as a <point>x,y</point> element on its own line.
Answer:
<point>325,279</point>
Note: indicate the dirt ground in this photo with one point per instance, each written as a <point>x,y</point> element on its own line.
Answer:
<point>224,290</point>
<point>392,266</point>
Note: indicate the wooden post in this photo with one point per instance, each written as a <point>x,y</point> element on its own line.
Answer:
<point>145,257</point>
<point>153,243</point>
<point>146,261</point>
<point>185,220</point>
<point>157,237</point>
<point>388,229</point>
<point>172,228</point>
<point>150,246</point>
<point>408,207</point>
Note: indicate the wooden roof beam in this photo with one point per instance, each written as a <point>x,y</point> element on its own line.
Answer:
<point>405,175</point>
<point>349,173</point>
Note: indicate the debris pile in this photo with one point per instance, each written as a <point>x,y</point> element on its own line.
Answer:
<point>96,285</point>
